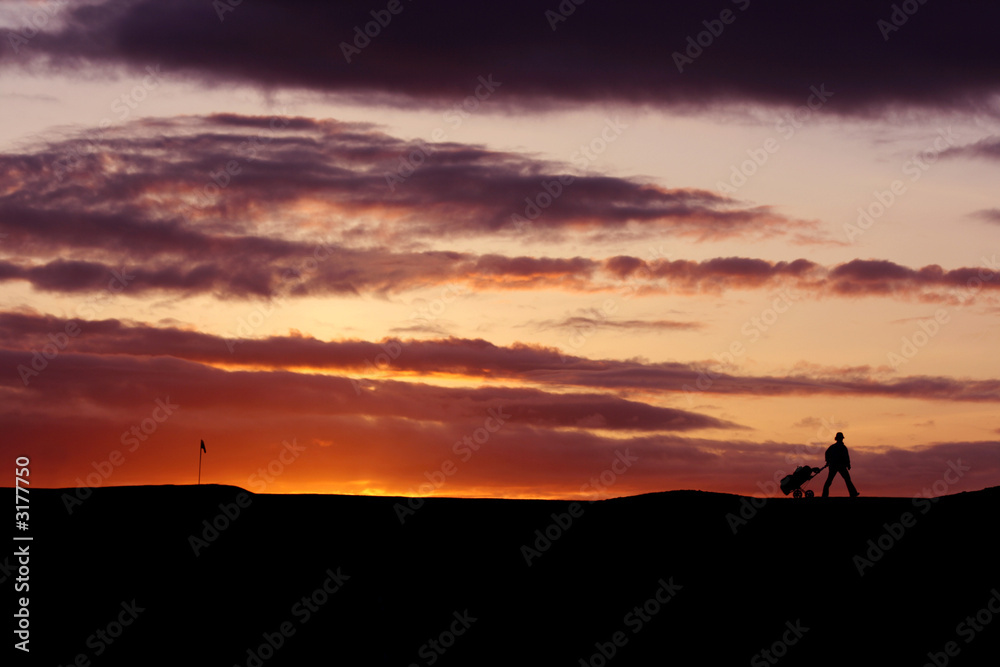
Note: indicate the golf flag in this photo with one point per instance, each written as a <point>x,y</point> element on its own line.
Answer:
<point>200,451</point>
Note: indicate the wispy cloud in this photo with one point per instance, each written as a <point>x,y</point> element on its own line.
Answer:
<point>988,214</point>
<point>987,148</point>
<point>599,322</point>
<point>476,359</point>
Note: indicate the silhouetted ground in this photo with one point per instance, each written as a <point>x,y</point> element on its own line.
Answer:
<point>787,581</point>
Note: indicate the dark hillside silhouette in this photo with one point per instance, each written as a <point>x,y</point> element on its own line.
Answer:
<point>652,579</point>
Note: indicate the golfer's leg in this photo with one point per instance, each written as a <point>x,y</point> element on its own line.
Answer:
<point>829,481</point>
<point>850,485</point>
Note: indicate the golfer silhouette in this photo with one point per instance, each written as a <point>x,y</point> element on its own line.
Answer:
<point>839,460</point>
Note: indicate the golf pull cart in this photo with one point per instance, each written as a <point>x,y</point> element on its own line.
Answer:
<point>793,483</point>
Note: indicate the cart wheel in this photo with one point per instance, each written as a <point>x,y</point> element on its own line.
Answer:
<point>809,493</point>
<point>797,493</point>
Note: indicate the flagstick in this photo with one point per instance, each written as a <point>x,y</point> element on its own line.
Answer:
<point>200,450</point>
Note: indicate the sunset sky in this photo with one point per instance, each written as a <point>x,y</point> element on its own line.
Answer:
<point>510,249</point>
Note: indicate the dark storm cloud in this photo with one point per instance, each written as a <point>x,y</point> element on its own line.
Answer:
<point>934,55</point>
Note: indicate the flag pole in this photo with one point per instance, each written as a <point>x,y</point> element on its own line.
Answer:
<point>200,450</point>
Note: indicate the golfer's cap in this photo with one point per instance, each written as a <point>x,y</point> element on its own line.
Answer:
<point>840,436</point>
